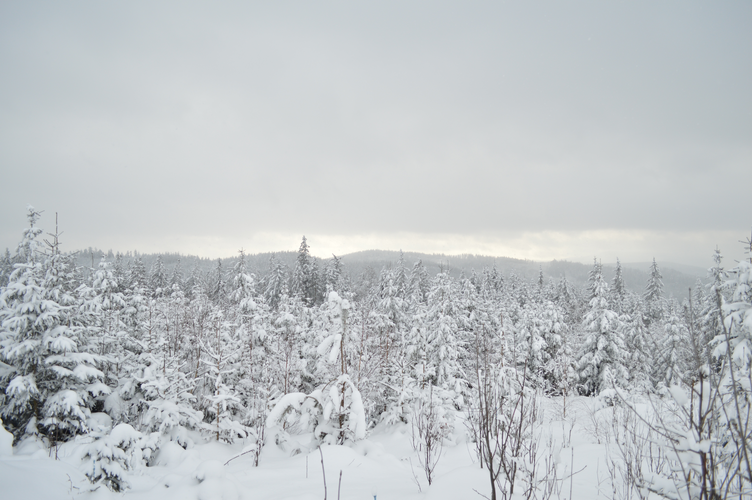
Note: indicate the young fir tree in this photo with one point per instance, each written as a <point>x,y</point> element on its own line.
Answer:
<point>640,352</point>
<point>619,290</point>
<point>558,369</point>
<point>653,296</point>
<point>492,282</point>
<point>671,366</point>
<point>401,277</point>
<point>193,286</point>
<point>601,364</point>
<point>104,305</point>
<point>120,273</point>
<point>530,344</point>
<point>286,339</point>
<point>419,284</point>
<point>222,352</point>
<point>218,284</point>
<point>274,284</point>
<point>305,276</point>
<point>176,278</point>
<point>541,282</point>
<point>251,322</point>
<point>335,279</point>
<point>43,337</point>
<point>158,283</point>
<point>137,275</point>
<point>567,297</point>
<point>393,369</point>
<point>444,345</point>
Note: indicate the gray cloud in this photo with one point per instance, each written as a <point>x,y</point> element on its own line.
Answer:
<point>145,123</point>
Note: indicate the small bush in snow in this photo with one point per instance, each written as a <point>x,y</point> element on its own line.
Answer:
<point>109,458</point>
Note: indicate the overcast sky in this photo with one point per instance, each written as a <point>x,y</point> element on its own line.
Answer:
<point>535,130</point>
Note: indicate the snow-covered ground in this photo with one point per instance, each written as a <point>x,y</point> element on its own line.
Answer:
<point>382,466</point>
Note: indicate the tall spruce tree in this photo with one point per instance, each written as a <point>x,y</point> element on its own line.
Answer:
<point>158,283</point>
<point>275,283</point>
<point>653,296</point>
<point>44,339</point>
<point>601,364</point>
<point>305,276</point>
<point>619,289</point>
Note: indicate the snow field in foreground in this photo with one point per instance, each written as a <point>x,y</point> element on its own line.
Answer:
<point>383,465</point>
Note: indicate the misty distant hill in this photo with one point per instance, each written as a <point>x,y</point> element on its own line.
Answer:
<point>677,278</point>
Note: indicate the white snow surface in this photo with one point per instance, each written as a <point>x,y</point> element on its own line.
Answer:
<point>382,466</point>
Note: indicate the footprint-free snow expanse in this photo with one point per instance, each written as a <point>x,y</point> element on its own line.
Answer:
<point>384,465</point>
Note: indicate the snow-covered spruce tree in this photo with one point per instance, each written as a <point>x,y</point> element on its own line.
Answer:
<point>333,275</point>
<point>286,347</point>
<point>217,284</point>
<point>673,353</point>
<point>305,277</point>
<point>439,349</point>
<point>275,283</point>
<point>640,352</point>
<point>601,365</point>
<point>168,398</point>
<point>419,283</point>
<point>109,458</point>
<point>540,283</point>
<point>492,282</point>
<point>395,345</point>
<point>334,410</point>
<point>392,366</point>
<point>343,404</point>
<point>176,278</point>
<point>250,317</point>
<point>541,331</point>
<point>120,272</point>
<point>242,285</point>
<point>568,298</point>
<point>158,284</point>
<point>222,350</point>
<point>530,345</point>
<point>137,277</point>
<point>401,277</point>
<point>155,389</point>
<point>444,345</point>
<point>136,294</point>
<point>365,352</point>
<point>699,348</point>
<point>618,290</point>
<point>558,369</point>
<point>653,296</point>
<point>42,339</point>
<point>476,281</point>
<point>104,302</point>
<point>518,289</point>
<point>195,282</point>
